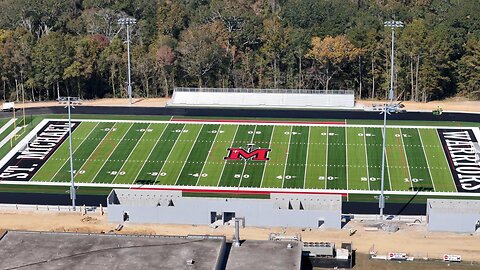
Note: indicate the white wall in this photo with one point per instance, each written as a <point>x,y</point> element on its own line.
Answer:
<point>257,212</point>
<point>262,99</point>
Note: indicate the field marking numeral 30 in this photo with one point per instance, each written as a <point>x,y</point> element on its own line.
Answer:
<point>116,172</point>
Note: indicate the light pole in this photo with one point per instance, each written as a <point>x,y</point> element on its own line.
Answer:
<point>69,101</point>
<point>388,107</point>
<point>127,22</point>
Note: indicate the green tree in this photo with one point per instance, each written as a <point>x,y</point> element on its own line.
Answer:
<point>468,69</point>
<point>51,56</point>
<point>203,49</point>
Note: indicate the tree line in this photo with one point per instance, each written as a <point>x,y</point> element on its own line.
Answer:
<point>53,48</point>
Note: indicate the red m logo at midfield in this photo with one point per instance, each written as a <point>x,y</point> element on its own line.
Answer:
<point>240,153</point>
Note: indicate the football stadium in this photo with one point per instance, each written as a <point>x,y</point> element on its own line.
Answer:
<point>247,156</point>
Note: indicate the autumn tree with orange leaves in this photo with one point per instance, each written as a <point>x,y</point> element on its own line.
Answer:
<point>330,55</point>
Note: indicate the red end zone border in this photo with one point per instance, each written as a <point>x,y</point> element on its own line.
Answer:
<point>256,121</point>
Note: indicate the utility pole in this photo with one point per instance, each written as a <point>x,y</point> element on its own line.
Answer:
<point>69,101</point>
<point>127,22</point>
<point>388,108</point>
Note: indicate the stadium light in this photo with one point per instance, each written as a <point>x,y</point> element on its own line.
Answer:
<point>127,22</point>
<point>69,101</point>
<point>387,109</point>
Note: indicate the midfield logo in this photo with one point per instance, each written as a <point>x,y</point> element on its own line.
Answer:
<point>259,154</point>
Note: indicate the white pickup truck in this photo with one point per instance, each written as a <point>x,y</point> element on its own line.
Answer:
<point>8,106</point>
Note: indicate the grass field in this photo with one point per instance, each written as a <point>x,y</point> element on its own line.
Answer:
<point>302,156</point>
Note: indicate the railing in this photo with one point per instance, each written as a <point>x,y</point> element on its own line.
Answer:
<point>264,91</point>
<point>51,208</point>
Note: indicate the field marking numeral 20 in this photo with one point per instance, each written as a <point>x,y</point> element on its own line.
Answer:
<point>158,173</point>
<point>117,172</point>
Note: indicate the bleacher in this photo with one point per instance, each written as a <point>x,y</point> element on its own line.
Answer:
<point>273,98</point>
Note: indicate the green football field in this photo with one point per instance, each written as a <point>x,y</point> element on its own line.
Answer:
<point>297,156</point>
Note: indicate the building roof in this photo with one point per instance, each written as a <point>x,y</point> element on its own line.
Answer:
<point>40,250</point>
<point>265,255</point>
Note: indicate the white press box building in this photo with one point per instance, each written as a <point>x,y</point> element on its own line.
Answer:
<point>170,207</point>
<point>448,215</point>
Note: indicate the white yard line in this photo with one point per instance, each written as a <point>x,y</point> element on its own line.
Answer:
<point>266,162</point>
<point>225,161</point>
<point>245,164</point>
<point>149,154</point>
<point>286,157</point>
<point>8,124</point>
<point>406,159</point>
<point>426,159</point>
<point>169,153</point>
<point>366,157</point>
<point>387,168</point>
<point>446,159</point>
<point>23,142</point>
<point>326,160</point>
<point>10,136</point>
<point>266,123</point>
<point>131,152</point>
<point>346,155</point>
<point>111,153</point>
<point>306,159</point>
<point>208,155</point>
<point>74,151</point>
<point>189,153</point>
<point>94,150</point>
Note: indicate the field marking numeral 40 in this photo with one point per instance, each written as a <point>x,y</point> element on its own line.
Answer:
<point>239,175</point>
<point>366,135</point>
<point>145,130</point>
<point>180,130</point>
<point>109,129</point>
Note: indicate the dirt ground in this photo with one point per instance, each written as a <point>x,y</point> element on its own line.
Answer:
<point>414,239</point>
<point>454,104</point>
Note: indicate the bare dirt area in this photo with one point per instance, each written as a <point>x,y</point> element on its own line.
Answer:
<point>136,102</point>
<point>454,104</point>
<point>414,240</point>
